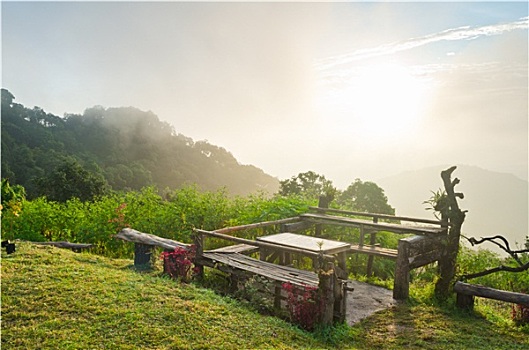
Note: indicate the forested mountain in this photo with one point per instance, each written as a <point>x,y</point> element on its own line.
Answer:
<point>126,147</point>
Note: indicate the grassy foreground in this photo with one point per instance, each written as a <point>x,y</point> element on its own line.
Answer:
<point>57,299</point>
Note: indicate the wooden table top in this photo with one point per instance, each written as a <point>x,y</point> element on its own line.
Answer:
<point>308,243</point>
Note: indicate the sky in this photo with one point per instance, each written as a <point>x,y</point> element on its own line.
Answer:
<point>346,89</point>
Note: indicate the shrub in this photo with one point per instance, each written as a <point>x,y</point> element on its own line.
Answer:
<point>179,263</point>
<point>304,305</point>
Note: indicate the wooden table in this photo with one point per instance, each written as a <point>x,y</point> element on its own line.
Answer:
<point>308,243</point>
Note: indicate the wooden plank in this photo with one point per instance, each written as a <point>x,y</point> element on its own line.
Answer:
<point>378,216</point>
<point>257,225</point>
<point>130,235</point>
<point>262,268</point>
<point>374,250</point>
<point>66,245</point>
<point>237,248</point>
<point>396,228</point>
<point>309,243</point>
<point>491,293</point>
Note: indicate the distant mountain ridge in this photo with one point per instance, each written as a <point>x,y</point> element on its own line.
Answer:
<point>130,148</point>
<point>497,203</point>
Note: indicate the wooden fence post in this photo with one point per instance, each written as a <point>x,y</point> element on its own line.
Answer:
<point>198,240</point>
<point>401,286</point>
<point>323,202</point>
<point>372,241</point>
<point>326,285</point>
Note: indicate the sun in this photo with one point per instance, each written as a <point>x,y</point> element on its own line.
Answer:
<point>382,100</point>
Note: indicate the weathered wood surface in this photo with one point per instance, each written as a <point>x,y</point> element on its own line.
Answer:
<point>237,261</point>
<point>395,228</point>
<point>66,245</point>
<point>257,225</point>
<point>131,235</point>
<point>491,293</point>
<point>378,216</point>
<point>236,248</point>
<point>308,243</point>
<point>374,250</point>
<point>415,252</point>
<point>269,246</point>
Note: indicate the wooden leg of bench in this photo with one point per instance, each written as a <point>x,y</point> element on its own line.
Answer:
<point>142,254</point>
<point>464,301</point>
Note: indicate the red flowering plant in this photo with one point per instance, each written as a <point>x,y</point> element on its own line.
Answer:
<point>178,264</point>
<point>305,305</point>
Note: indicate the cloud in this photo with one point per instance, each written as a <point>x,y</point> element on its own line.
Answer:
<point>453,34</point>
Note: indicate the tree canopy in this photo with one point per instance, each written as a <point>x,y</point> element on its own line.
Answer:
<point>365,197</point>
<point>128,147</point>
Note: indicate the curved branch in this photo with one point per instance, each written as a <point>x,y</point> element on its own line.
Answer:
<point>497,269</point>
<point>505,247</point>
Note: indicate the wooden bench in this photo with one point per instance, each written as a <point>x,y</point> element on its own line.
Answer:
<point>241,267</point>
<point>466,293</point>
<point>144,244</point>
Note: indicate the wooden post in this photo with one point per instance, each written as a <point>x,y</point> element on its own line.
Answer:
<point>464,301</point>
<point>326,286</point>
<point>340,299</point>
<point>372,241</point>
<point>401,286</point>
<point>142,254</point>
<point>198,240</point>
<point>322,203</point>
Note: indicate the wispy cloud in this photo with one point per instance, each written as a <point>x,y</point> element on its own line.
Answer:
<point>453,34</point>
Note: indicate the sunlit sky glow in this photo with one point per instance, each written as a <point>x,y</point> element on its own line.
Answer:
<point>349,90</point>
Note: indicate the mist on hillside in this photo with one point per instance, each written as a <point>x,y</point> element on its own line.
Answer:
<point>497,203</point>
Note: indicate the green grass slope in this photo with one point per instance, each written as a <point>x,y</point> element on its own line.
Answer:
<point>57,299</point>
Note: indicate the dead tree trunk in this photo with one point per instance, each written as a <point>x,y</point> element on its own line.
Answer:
<point>456,217</point>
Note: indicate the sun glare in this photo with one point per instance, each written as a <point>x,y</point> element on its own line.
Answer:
<point>385,100</point>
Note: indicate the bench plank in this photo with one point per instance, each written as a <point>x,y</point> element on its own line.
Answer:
<point>237,248</point>
<point>131,235</point>
<point>374,250</point>
<point>272,271</point>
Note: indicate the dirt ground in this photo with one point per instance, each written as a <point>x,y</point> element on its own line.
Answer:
<point>365,300</point>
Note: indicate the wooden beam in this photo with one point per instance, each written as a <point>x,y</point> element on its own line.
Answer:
<point>379,216</point>
<point>396,228</point>
<point>256,225</point>
<point>491,293</point>
<point>130,235</point>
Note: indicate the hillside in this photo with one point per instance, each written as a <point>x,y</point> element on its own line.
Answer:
<point>497,203</point>
<point>57,299</point>
<point>128,147</point>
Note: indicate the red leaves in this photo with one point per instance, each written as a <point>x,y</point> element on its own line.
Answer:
<point>304,304</point>
<point>179,263</point>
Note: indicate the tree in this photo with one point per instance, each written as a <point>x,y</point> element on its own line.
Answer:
<point>365,197</point>
<point>69,179</point>
<point>450,213</point>
<point>309,185</point>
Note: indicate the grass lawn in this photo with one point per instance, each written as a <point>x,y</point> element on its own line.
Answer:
<point>56,299</point>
